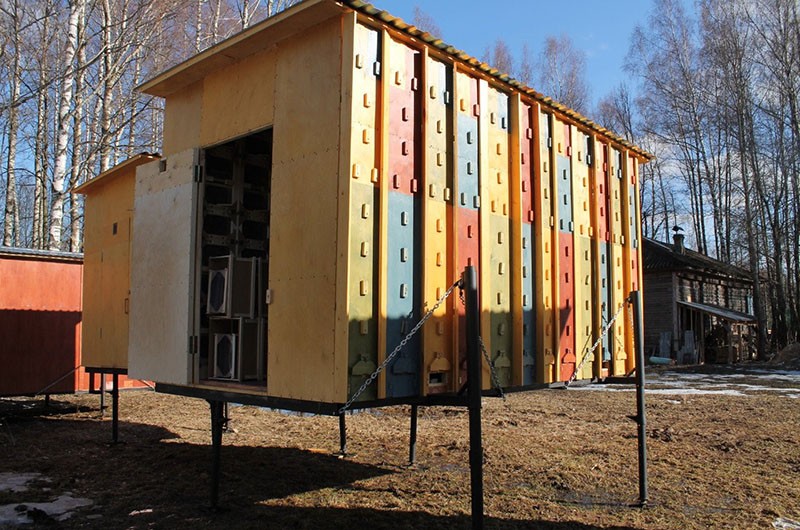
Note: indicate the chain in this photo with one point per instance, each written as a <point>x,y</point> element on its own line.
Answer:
<point>492,372</point>
<point>398,348</point>
<point>594,346</point>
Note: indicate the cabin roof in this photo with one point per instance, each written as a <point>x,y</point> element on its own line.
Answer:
<point>311,12</point>
<point>659,256</point>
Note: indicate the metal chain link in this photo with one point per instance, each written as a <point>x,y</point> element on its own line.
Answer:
<point>397,349</point>
<point>596,343</point>
<point>492,371</point>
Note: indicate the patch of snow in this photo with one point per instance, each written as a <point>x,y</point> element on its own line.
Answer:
<point>59,509</point>
<point>16,482</point>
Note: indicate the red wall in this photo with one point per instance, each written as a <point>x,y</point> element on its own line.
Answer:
<point>40,325</point>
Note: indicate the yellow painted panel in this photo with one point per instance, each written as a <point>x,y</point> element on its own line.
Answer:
<point>544,256</point>
<point>499,160</point>
<point>580,185</point>
<point>619,295</point>
<point>486,236</point>
<point>616,195</point>
<point>439,355</point>
<point>182,114</point>
<point>238,99</point>
<point>583,305</point>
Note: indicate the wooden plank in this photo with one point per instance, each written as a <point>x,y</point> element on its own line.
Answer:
<point>342,325</point>
<point>383,209</point>
<point>516,215</point>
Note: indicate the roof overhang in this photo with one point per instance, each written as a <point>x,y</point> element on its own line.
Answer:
<point>308,13</point>
<point>109,174</point>
<point>258,37</point>
<point>721,312</point>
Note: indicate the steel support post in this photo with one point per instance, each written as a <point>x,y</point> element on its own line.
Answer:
<point>217,422</point>
<point>342,435</point>
<point>115,408</point>
<point>412,439</point>
<point>474,377</point>
<point>641,419</point>
<point>102,387</point>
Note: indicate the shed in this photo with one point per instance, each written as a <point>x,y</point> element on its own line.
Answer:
<point>327,175</point>
<point>40,322</point>
<point>696,309</point>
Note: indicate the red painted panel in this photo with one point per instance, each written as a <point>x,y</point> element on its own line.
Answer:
<point>601,180</point>
<point>403,128</point>
<point>468,248</point>
<point>473,97</point>
<point>566,304</point>
<point>567,141</point>
<point>527,149</point>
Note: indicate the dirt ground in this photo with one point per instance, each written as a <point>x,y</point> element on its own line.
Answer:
<point>724,452</point>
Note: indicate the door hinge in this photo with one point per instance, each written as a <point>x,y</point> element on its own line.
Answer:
<point>198,173</point>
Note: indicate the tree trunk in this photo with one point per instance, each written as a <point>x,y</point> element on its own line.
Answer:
<point>63,124</point>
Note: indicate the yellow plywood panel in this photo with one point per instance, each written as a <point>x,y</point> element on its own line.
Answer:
<point>303,253</point>
<point>107,234</point>
<point>238,99</point>
<point>306,120</point>
<point>182,115</point>
<point>301,360</point>
<point>116,292</point>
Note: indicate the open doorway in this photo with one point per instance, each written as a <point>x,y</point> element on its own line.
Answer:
<point>234,260</point>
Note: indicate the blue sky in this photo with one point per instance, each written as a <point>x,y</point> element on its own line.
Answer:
<point>602,29</point>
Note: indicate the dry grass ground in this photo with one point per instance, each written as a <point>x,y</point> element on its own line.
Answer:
<point>555,459</point>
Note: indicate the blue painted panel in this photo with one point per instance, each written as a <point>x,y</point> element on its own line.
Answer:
<point>402,296</point>
<point>564,177</point>
<point>467,193</point>
<point>606,288</point>
<point>528,315</point>
<point>502,111</point>
<point>368,50</point>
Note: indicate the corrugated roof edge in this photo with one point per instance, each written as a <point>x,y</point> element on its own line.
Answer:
<point>386,17</point>
<point>53,255</point>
